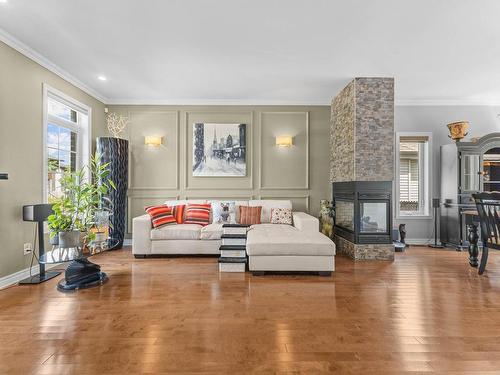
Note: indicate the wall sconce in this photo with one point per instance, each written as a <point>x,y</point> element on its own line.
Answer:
<point>151,140</point>
<point>284,141</point>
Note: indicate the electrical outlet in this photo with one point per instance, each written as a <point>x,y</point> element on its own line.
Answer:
<point>27,248</point>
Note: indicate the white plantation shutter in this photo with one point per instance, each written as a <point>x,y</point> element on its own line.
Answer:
<point>414,180</point>
<point>408,180</point>
<point>404,180</point>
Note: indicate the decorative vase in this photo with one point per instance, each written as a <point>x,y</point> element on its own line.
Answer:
<point>115,152</point>
<point>70,239</point>
<point>458,130</point>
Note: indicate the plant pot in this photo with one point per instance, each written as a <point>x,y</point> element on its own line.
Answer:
<point>70,239</point>
<point>54,240</point>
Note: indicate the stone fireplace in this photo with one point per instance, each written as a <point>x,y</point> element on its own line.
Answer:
<point>362,168</point>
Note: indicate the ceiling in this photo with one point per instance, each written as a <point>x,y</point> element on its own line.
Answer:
<point>262,51</point>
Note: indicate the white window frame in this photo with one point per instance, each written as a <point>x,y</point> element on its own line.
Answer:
<point>425,172</point>
<point>84,133</point>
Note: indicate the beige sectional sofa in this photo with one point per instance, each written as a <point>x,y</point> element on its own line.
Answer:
<point>270,247</point>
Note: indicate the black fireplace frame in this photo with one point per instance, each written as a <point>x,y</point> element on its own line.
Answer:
<point>359,192</point>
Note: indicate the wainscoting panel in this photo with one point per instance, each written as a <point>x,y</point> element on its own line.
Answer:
<point>154,167</point>
<point>284,167</point>
<point>299,202</point>
<point>299,173</point>
<point>221,197</point>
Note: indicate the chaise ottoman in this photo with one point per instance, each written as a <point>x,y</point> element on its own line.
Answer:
<point>279,247</point>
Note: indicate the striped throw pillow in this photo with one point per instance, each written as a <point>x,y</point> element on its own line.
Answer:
<point>178,212</point>
<point>160,216</point>
<point>250,215</point>
<point>198,214</point>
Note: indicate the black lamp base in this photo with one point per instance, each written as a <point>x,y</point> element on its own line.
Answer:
<point>38,279</point>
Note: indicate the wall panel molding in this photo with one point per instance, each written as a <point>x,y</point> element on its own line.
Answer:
<point>261,185</point>
<point>271,173</point>
<point>227,197</point>
<point>305,197</point>
<point>175,186</point>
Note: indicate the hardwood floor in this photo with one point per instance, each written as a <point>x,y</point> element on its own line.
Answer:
<point>426,312</point>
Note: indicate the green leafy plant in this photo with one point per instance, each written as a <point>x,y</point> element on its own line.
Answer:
<point>83,193</point>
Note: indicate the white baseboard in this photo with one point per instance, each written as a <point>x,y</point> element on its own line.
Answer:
<point>127,242</point>
<point>418,241</point>
<point>23,274</point>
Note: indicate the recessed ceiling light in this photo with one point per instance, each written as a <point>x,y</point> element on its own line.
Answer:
<point>100,78</point>
<point>3,1</point>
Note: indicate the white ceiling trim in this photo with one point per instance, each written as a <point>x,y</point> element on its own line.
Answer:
<point>46,63</point>
<point>234,102</point>
<point>437,102</point>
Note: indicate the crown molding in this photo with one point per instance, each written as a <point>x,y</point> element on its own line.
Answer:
<point>449,102</point>
<point>30,53</point>
<point>263,102</point>
<point>234,102</point>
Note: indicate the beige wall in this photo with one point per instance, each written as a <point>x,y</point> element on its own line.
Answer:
<point>299,173</point>
<point>21,82</point>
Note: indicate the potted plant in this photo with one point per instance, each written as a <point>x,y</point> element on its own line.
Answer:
<point>83,194</point>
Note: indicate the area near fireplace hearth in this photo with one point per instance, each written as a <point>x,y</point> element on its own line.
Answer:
<point>362,167</point>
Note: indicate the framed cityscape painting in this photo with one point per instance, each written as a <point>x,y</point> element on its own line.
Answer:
<point>219,150</point>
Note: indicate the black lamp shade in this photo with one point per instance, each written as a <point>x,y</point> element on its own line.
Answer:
<point>37,212</point>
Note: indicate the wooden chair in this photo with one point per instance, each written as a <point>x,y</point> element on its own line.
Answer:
<point>488,208</point>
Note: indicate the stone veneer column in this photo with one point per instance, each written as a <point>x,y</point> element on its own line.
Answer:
<point>361,145</point>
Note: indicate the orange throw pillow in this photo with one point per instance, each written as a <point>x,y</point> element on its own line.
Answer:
<point>198,214</point>
<point>160,216</point>
<point>178,212</point>
<point>250,215</point>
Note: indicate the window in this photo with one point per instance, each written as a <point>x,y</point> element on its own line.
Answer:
<point>413,171</point>
<point>66,139</point>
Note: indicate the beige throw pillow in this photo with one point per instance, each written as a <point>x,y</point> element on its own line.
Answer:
<point>281,216</point>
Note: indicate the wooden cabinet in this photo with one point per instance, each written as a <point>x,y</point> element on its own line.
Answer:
<point>466,168</point>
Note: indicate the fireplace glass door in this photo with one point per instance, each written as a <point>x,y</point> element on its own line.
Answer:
<point>344,214</point>
<point>374,217</point>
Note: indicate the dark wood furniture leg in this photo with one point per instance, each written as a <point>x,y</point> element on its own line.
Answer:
<point>473,249</point>
<point>484,259</point>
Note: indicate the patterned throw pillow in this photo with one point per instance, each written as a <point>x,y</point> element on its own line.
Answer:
<point>178,212</point>
<point>198,214</point>
<point>160,216</point>
<point>250,215</point>
<point>281,216</point>
<point>223,212</point>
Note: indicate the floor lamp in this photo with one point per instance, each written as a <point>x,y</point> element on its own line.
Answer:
<point>39,213</point>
